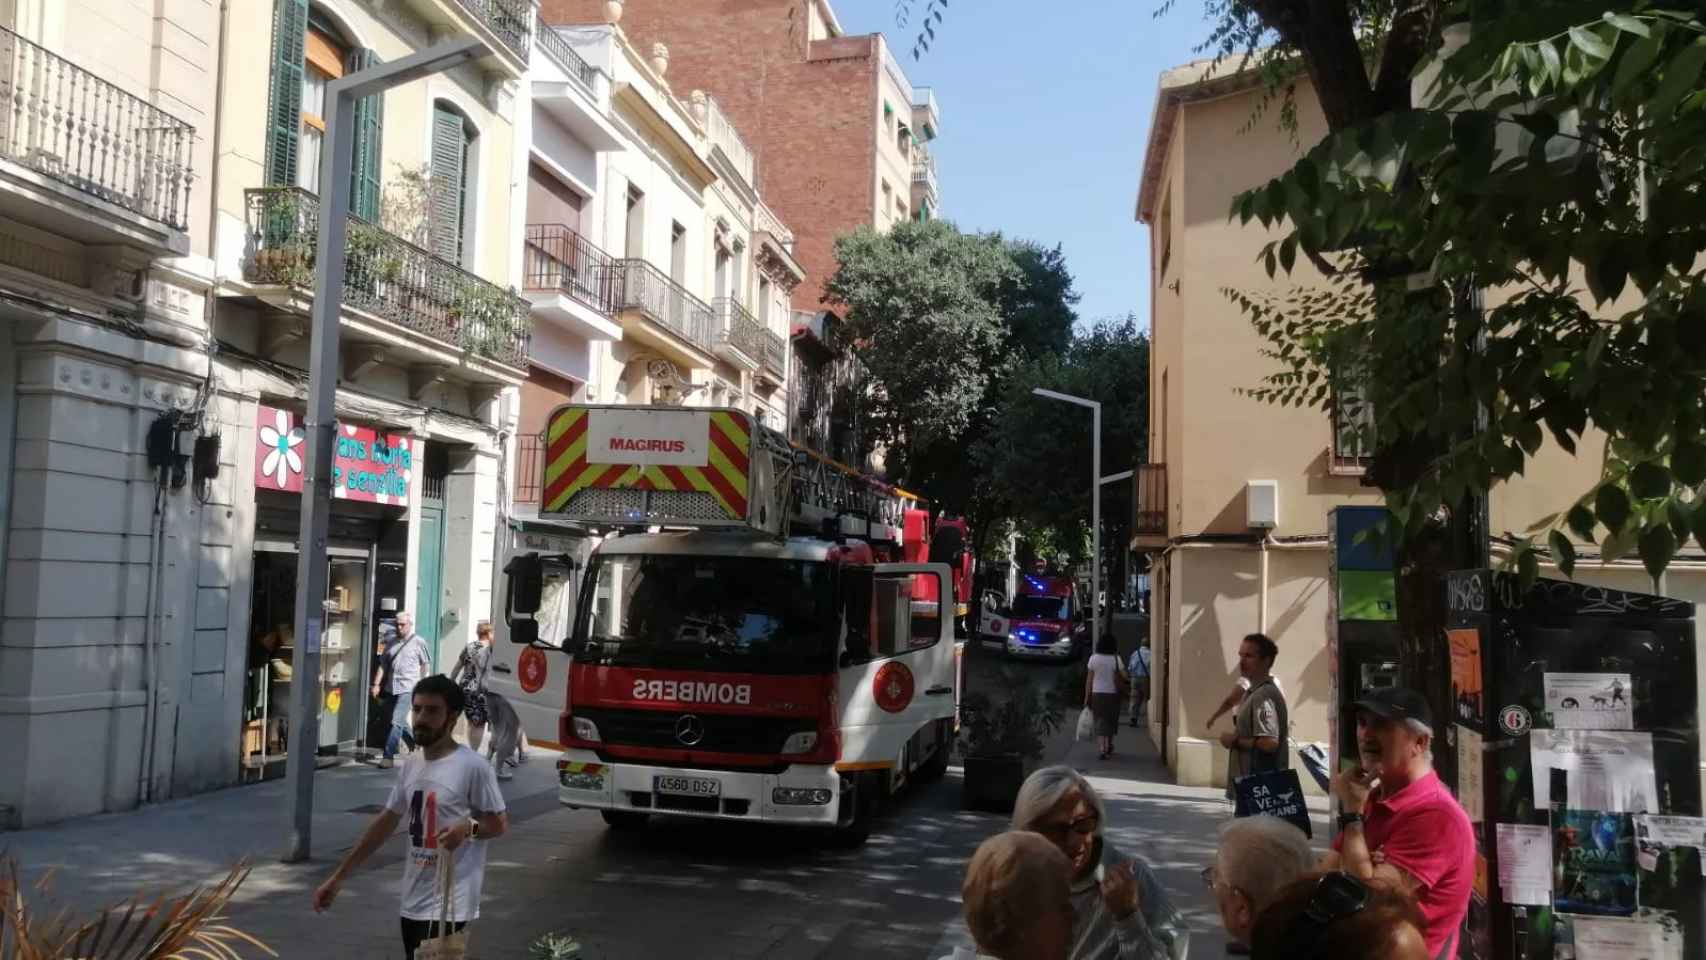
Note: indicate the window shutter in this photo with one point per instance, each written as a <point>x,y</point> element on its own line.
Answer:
<point>449,157</point>
<point>369,134</point>
<point>284,97</point>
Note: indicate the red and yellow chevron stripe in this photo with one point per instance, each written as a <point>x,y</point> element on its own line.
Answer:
<point>724,477</point>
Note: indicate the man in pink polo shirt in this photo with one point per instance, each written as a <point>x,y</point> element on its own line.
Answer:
<point>1398,823</point>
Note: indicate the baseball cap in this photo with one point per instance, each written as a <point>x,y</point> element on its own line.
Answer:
<point>1396,703</point>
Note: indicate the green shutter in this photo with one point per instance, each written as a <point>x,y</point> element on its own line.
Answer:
<point>449,173</point>
<point>284,95</point>
<point>369,136</point>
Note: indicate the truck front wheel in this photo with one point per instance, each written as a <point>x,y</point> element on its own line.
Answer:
<point>858,809</point>
<point>625,820</point>
<point>936,767</point>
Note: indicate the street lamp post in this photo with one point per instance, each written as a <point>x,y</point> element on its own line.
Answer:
<point>337,155</point>
<point>1095,506</point>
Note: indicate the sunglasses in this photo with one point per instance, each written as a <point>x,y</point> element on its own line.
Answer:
<point>1336,896</point>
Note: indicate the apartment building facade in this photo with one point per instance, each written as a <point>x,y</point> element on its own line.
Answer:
<point>1216,577</point>
<point>154,390</point>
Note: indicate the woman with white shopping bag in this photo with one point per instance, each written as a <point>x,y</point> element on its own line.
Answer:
<point>1104,683</point>
<point>452,803</point>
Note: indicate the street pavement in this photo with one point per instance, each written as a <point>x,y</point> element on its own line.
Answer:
<point>678,888</point>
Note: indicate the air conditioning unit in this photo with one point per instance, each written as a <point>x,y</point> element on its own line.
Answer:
<point>1261,504</point>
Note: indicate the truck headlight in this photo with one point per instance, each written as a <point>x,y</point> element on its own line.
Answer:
<point>800,797</point>
<point>802,742</point>
<point>587,730</point>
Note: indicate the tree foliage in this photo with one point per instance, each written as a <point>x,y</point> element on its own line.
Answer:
<point>1038,456</point>
<point>1556,160</point>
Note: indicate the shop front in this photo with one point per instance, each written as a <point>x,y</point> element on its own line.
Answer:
<point>373,480</point>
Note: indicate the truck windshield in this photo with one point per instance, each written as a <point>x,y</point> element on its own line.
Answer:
<point>1033,607</point>
<point>724,614</point>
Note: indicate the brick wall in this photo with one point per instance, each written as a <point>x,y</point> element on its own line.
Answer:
<point>807,110</point>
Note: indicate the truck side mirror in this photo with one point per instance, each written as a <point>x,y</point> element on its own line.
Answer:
<point>524,587</point>
<point>524,631</point>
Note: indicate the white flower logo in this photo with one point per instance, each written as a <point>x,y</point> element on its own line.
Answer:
<point>282,459</point>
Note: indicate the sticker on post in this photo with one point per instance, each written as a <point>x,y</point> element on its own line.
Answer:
<point>1515,721</point>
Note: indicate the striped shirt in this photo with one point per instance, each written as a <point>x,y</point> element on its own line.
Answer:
<point>1155,932</point>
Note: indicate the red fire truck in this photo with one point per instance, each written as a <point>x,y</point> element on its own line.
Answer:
<point>748,652</point>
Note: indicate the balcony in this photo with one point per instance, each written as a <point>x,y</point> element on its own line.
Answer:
<point>726,138</point>
<point>924,185</point>
<point>1149,507</point>
<point>661,313</point>
<point>410,292</point>
<point>774,365</point>
<point>505,25</point>
<point>926,115</point>
<point>572,63</point>
<point>86,159</point>
<point>573,92</point>
<point>742,340</point>
<point>571,281</point>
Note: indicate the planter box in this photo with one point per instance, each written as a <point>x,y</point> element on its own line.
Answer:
<point>991,784</point>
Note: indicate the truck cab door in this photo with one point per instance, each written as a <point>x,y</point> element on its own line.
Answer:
<point>899,673</point>
<point>534,677</point>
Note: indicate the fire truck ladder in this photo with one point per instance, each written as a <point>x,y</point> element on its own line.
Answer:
<point>831,497</point>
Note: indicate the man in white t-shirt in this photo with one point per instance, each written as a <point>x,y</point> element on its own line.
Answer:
<point>452,803</point>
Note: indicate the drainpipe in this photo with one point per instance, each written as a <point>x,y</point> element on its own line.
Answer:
<point>157,535</point>
<point>1262,589</point>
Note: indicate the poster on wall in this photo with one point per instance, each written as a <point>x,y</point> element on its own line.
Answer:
<point>368,466</point>
<point>1594,853</point>
<point>1604,769</point>
<point>1467,687</point>
<point>1470,762</point>
<point>1590,701</point>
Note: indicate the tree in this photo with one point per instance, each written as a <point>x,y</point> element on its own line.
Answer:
<point>921,303</point>
<point>1038,456</point>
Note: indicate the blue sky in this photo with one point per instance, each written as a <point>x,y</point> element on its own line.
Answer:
<point>1045,111</point>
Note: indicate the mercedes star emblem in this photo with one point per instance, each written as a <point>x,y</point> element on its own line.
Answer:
<point>689,730</point>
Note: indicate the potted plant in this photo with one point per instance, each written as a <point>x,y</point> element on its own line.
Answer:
<point>1003,737</point>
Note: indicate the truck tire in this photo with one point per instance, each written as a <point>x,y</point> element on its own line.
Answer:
<point>859,808</point>
<point>936,767</point>
<point>625,821</point>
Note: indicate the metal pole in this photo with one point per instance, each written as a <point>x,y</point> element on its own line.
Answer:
<point>322,438</point>
<point>1096,527</point>
<point>336,160</point>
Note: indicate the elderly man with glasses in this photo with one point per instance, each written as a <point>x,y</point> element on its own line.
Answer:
<point>1258,856</point>
<point>1120,911</point>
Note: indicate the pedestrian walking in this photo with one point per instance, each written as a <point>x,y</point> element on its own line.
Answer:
<point>1138,669</point>
<point>1398,823</point>
<point>409,662</point>
<point>1335,916</point>
<point>1258,857</point>
<point>453,806</point>
<point>470,674</point>
<point>1018,905</point>
<point>1104,682</point>
<point>1257,740</point>
<point>1119,909</point>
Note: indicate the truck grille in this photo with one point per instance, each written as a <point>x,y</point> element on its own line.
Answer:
<point>723,733</point>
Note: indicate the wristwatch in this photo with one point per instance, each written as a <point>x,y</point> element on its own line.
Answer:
<point>1346,819</point>
<point>474,828</point>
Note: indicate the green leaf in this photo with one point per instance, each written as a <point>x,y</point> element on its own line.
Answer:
<point>1596,349</point>
<point>1616,546</point>
<point>1698,523</point>
<point>1268,262</point>
<point>1681,521</point>
<point>1528,434</point>
<point>1628,24</point>
<point>1611,505</point>
<point>1658,546</point>
<point>1649,481</point>
<point>1527,568</point>
<point>1563,553</point>
<point>1589,43</point>
<point>1688,463</point>
<point>1581,522</point>
<point>1680,77</point>
<point>1288,253</point>
<point>1636,60</point>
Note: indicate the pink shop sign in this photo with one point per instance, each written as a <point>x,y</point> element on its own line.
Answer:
<point>369,466</point>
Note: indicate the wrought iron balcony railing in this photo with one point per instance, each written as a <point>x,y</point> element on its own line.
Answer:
<point>511,20</point>
<point>68,124</point>
<point>740,329</point>
<point>560,259</point>
<point>387,276</point>
<point>572,63</point>
<point>775,354</point>
<point>663,301</point>
<point>529,467</point>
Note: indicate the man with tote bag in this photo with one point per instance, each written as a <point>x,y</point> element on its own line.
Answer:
<point>453,806</point>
